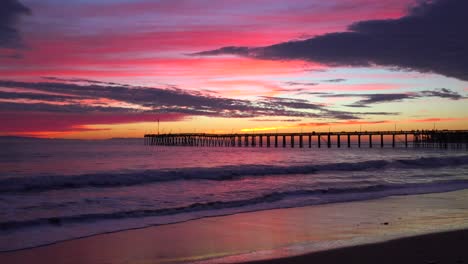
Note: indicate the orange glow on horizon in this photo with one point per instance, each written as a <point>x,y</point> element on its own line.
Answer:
<point>263,128</point>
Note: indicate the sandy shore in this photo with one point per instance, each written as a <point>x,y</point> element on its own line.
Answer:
<point>282,233</point>
<point>438,248</point>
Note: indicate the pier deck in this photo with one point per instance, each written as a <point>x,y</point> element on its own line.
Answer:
<point>413,138</point>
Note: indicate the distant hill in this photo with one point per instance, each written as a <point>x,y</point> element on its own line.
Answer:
<point>29,138</point>
<point>17,137</point>
<point>122,138</point>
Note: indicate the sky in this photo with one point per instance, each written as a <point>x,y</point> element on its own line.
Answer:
<point>94,69</point>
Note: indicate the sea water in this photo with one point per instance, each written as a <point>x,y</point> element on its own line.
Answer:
<point>55,190</point>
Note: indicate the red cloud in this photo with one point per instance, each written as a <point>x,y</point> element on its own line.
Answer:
<point>436,120</point>
<point>34,122</point>
<point>155,67</point>
<point>349,122</point>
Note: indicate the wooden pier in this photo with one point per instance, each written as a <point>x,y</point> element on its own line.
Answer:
<point>414,138</point>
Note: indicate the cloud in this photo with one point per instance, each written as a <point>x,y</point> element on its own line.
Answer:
<point>28,107</point>
<point>36,96</point>
<point>92,98</point>
<point>10,12</point>
<point>276,120</point>
<point>301,83</point>
<point>435,119</point>
<point>21,106</point>
<point>314,93</point>
<point>293,103</point>
<point>324,112</point>
<point>339,123</point>
<point>443,93</point>
<point>291,90</point>
<point>145,99</point>
<point>81,80</point>
<point>397,97</point>
<point>375,98</point>
<point>432,37</point>
<point>231,50</point>
<point>23,122</point>
<point>334,80</point>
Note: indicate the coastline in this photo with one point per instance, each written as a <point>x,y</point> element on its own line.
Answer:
<point>271,234</point>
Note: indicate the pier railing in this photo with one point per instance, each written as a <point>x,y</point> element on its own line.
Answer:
<point>413,138</point>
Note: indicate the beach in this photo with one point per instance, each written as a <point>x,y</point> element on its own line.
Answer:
<point>447,247</point>
<point>352,232</point>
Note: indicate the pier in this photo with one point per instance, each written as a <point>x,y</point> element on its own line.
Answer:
<point>370,139</point>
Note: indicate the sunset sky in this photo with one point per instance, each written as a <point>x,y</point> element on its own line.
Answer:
<point>111,68</point>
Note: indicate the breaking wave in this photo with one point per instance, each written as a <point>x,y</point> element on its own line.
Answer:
<point>317,196</point>
<point>115,179</point>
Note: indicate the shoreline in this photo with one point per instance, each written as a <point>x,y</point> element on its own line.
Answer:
<point>270,234</point>
<point>226,214</point>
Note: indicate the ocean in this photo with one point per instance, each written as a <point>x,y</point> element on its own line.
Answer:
<point>54,190</point>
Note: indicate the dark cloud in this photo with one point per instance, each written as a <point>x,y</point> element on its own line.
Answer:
<point>314,93</point>
<point>144,99</point>
<point>208,91</point>
<point>334,80</point>
<point>301,83</point>
<point>378,98</point>
<point>433,37</point>
<point>37,96</point>
<point>80,80</point>
<point>242,51</point>
<point>296,87</point>
<point>291,90</point>
<point>94,98</point>
<point>62,108</point>
<point>396,97</point>
<point>154,98</point>
<point>10,11</point>
<point>324,112</point>
<point>378,113</point>
<point>293,103</point>
<point>443,93</point>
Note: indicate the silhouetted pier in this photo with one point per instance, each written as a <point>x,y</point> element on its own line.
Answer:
<point>413,138</point>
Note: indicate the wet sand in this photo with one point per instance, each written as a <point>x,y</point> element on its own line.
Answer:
<point>439,248</point>
<point>282,233</point>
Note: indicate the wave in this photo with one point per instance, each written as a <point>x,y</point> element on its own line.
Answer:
<point>328,195</point>
<point>56,182</point>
